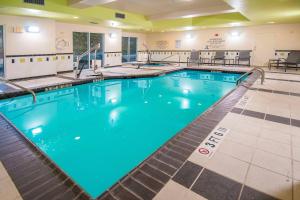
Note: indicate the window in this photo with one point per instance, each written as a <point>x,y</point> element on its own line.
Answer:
<point>129,49</point>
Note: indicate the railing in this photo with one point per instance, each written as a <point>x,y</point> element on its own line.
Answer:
<point>19,86</point>
<point>94,48</point>
<point>260,70</point>
<point>148,52</point>
<point>170,57</point>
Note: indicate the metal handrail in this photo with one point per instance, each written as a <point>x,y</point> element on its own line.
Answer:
<point>260,70</point>
<point>19,86</point>
<point>149,53</point>
<point>170,57</point>
<point>94,48</point>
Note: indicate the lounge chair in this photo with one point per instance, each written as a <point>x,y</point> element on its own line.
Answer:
<point>243,56</point>
<point>293,60</point>
<point>194,58</point>
<point>219,56</point>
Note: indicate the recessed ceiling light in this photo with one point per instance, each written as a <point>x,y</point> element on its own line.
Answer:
<point>235,33</point>
<point>75,17</point>
<point>188,28</point>
<point>235,24</point>
<point>34,11</point>
<point>271,22</point>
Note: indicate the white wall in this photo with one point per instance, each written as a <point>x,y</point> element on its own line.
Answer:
<point>262,40</point>
<point>28,43</point>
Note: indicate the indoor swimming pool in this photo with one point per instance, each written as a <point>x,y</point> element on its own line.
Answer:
<point>98,132</point>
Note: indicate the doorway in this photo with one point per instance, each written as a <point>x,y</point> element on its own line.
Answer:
<point>84,41</point>
<point>129,49</point>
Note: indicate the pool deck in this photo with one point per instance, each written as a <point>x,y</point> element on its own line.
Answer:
<point>258,156</point>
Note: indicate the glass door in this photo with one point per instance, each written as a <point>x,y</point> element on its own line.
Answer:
<point>132,48</point>
<point>125,49</point>
<point>81,45</point>
<point>96,38</point>
<point>129,49</point>
<point>1,51</point>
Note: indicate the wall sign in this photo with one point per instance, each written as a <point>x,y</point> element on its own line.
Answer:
<point>162,44</point>
<point>216,42</point>
<point>61,42</point>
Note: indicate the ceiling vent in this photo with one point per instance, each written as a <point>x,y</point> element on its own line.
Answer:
<point>120,15</point>
<point>37,2</point>
<point>94,22</point>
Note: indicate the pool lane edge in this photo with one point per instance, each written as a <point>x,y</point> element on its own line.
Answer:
<point>156,161</point>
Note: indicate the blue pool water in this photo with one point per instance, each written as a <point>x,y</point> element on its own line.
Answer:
<point>154,65</point>
<point>98,132</point>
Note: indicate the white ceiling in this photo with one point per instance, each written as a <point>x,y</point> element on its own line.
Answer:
<point>163,9</point>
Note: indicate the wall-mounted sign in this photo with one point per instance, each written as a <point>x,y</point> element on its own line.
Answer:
<point>162,44</point>
<point>216,42</point>
<point>61,42</point>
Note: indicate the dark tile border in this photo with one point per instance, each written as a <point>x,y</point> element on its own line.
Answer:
<point>253,114</point>
<point>268,117</point>
<point>287,80</point>
<point>150,176</point>
<point>276,91</point>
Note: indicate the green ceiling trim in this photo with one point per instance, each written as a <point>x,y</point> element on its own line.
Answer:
<point>249,12</point>
<point>219,19</point>
<point>97,13</point>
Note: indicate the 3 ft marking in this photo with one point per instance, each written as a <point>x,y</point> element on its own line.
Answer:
<point>212,141</point>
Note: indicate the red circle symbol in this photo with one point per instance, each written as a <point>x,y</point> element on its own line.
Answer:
<point>203,151</point>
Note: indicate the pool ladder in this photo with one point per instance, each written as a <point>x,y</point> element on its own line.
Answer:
<point>19,86</point>
<point>258,69</point>
<point>78,69</point>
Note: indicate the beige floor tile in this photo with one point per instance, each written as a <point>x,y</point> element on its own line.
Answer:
<point>274,147</point>
<point>241,138</point>
<point>8,190</point>
<point>228,166</point>
<point>279,111</point>
<point>296,153</point>
<point>273,162</point>
<point>295,131</point>
<point>3,173</point>
<point>229,120</point>
<point>236,150</point>
<point>282,128</point>
<point>269,182</point>
<point>276,136</point>
<point>296,141</point>
<point>296,170</point>
<point>174,191</point>
<point>248,126</point>
<point>199,159</point>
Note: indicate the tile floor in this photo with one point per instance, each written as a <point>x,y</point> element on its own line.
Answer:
<point>261,152</point>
